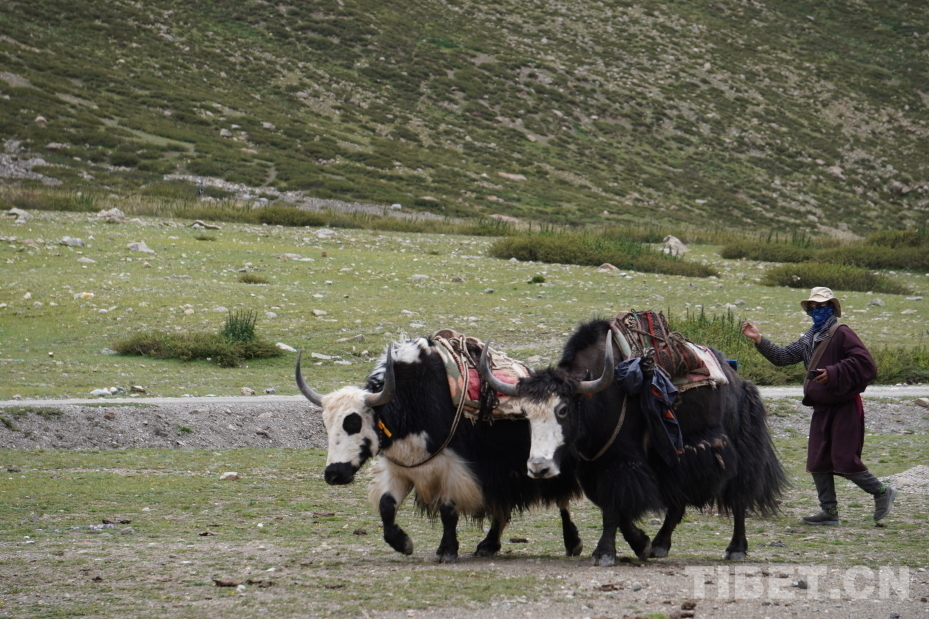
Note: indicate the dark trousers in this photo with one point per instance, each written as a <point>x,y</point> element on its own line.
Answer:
<point>825,486</point>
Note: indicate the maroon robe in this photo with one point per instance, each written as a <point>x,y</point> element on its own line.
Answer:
<point>837,426</point>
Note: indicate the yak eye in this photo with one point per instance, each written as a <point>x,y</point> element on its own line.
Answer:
<point>561,411</point>
<point>352,423</point>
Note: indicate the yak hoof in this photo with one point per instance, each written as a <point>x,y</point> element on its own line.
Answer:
<point>407,546</point>
<point>484,552</point>
<point>575,550</point>
<point>603,560</point>
<point>735,555</point>
<point>446,558</point>
<point>646,552</point>
<point>659,552</point>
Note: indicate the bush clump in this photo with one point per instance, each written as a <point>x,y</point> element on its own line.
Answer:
<point>251,278</point>
<point>235,343</point>
<point>837,277</point>
<point>766,252</point>
<point>913,258</point>
<point>593,250</point>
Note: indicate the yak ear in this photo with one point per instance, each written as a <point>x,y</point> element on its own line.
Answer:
<point>308,391</point>
<point>390,384</point>
<point>487,374</point>
<point>593,386</point>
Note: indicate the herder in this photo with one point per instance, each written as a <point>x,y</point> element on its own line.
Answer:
<point>839,369</point>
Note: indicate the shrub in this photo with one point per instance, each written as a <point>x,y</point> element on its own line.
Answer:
<point>593,250</point>
<point>287,216</point>
<point>877,257</point>
<point>899,238</point>
<point>724,333</point>
<point>222,350</point>
<point>899,364</point>
<point>240,326</point>
<point>837,277</point>
<point>251,278</point>
<point>766,252</point>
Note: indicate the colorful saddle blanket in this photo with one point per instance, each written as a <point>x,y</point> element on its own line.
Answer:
<point>688,364</point>
<point>462,355</point>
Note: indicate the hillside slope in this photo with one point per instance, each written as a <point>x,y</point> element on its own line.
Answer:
<point>764,115</point>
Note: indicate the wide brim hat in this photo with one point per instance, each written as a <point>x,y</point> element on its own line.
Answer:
<point>821,294</point>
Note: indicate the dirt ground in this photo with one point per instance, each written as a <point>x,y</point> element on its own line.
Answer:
<point>662,588</point>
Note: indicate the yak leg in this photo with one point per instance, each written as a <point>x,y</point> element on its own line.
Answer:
<point>572,540</point>
<point>393,534</point>
<point>636,538</point>
<point>448,547</point>
<point>662,542</point>
<point>739,544</point>
<point>490,545</point>
<point>605,553</point>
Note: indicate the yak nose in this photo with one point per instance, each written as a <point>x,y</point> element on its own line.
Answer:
<point>339,474</point>
<point>542,468</point>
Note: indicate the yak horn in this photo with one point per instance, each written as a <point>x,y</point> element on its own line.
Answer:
<point>311,395</point>
<point>488,375</point>
<point>386,394</point>
<point>593,386</point>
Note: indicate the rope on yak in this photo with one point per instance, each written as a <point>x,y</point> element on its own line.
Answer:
<point>619,424</point>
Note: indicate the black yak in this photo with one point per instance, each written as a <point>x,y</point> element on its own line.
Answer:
<point>727,458</point>
<point>405,413</point>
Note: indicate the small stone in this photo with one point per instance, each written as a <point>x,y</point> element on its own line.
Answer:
<point>270,315</point>
<point>606,266</point>
<point>924,402</point>
<point>127,531</point>
<point>247,391</point>
<point>876,302</point>
<point>908,312</point>
<point>488,291</point>
<point>319,355</point>
<point>739,302</point>
<point>100,392</point>
<point>286,347</point>
<point>86,260</point>
<point>270,390</point>
<point>319,312</point>
<point>636,586</point>
<point>355,338</point>
<point>137,389</point>
<point>654,521</point>
<point>803,584</point>
<point>229,476</point>
<point>688,604</point>
<point>71,242</point>
<point>108,351</point>
<point>141,246</point>
<point>914,298</point>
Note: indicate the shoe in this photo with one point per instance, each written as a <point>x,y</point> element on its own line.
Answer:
<point>830,517</point>
<point>883,502</point>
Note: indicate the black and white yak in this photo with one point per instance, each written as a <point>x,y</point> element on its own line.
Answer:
<point>405,413</point>
<point>728,458</point>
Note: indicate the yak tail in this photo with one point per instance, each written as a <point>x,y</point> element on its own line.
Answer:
<point>762,479</point>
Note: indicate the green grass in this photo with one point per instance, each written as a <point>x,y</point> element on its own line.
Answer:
<point>837,277</point>
<point>371,291</point>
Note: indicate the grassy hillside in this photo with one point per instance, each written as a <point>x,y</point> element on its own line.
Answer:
<point>769,115</point>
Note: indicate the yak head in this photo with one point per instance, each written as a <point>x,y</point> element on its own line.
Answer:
<point>348,414</point>
<point>547,399</point>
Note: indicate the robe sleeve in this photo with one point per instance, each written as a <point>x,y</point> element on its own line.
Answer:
<point>855,369</point>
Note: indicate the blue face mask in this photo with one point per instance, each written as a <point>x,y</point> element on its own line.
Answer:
<point>820,315</point>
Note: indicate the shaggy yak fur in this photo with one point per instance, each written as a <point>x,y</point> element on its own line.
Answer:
<point>480,474</point>
<point>728,457</point>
